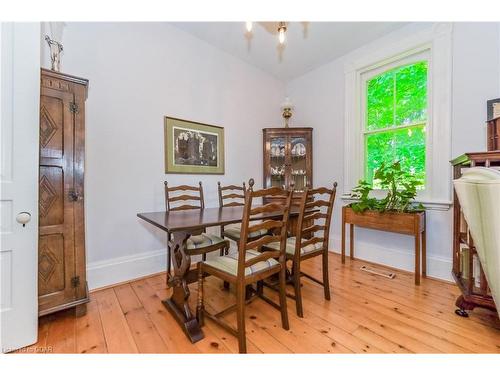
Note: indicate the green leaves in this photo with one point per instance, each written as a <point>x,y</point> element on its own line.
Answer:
<point>404,145</point>
<point>380,101</point>
<point>401,189</point>
<point>396,98</point>
<point>411,94</point>
<point>396,115</point>
<point>362,192</point>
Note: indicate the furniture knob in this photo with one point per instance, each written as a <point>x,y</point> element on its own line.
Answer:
<point>74,196</point>
<point>23,218</point>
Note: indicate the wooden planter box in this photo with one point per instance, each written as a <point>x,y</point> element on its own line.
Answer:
<point>412,224</point>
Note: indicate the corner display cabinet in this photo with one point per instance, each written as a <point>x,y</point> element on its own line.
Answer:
<point>467,270</point>
<point>288,158</point>
<point>61,244</point>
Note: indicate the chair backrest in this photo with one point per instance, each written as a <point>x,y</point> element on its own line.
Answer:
<point>194,194</point>
<point>276,226</point>
<point>231,195</point>
<point>309,223</point>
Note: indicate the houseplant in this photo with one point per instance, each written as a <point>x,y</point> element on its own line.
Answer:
<point>396,212</point>
<point>401,189</point>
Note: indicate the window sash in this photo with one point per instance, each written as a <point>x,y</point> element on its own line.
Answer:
<point>366,164</point>
<point>384,69</point>
<point>368,75</point>
<point>412,125</point>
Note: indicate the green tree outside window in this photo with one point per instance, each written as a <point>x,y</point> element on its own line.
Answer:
<point>396,118</point>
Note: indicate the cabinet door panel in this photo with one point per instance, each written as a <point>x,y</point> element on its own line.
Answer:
<point>56,250</point>
<point>51,264</point>
<point>51,196</point>
<point>299,152</point>
<point>51,126</point>
<point>277,163</point>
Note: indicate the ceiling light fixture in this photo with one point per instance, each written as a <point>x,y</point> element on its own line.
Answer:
<point>281,32</point>
<point>282,27</point>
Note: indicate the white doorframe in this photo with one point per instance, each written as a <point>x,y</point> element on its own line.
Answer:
<point>19,114</point>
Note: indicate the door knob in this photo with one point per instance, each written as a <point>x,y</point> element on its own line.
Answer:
<point>23,218</point>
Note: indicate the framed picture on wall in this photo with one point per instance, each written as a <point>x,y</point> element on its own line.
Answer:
<point>192,147</point>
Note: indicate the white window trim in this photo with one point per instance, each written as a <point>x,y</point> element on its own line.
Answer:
<point>437,40</point>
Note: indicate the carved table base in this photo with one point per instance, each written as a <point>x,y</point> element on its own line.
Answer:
<point>190,327</point>
<point>177,305</point>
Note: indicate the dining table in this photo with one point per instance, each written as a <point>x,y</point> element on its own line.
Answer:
<point>180,225</point>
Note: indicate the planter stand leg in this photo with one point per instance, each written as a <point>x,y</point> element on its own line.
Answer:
<point>351,241</point>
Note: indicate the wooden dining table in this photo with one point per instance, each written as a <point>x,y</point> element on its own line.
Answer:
<point>180,225</point>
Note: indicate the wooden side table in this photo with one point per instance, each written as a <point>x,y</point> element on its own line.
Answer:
<point>412,224</point>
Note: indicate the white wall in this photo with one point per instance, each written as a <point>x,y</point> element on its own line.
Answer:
<point>140,72</point>
<point>319,102</point>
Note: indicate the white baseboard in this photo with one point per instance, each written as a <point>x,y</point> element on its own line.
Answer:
<point>117,270</point>
<point>437,267</point>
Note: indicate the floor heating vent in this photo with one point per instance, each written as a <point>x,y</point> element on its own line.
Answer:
<point>389,275</point>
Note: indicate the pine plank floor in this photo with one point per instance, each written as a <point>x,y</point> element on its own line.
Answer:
<point>367,314</point>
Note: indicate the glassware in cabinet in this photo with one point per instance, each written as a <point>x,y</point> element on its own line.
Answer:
<point>288,157</point>
<point>277,164</point>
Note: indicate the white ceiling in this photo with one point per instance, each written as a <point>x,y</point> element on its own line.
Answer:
<point>308,44</point>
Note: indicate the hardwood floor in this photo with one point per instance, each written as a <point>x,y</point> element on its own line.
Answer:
<point>367,314</point>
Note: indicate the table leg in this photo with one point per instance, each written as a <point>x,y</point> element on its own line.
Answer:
<point>169,262</point>
<point>351,241</point>
<point>424,255</point>
<point>417,258</point>
<point>177,304</point>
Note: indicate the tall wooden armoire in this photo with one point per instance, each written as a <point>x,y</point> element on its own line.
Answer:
<point>61,245</point>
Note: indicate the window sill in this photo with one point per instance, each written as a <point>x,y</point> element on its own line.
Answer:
<point>429,204</point>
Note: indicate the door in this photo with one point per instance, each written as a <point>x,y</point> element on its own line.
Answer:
<point>56,247</point>
<point>300,161</point>
<point>277,160</point>
<point>19,94</point>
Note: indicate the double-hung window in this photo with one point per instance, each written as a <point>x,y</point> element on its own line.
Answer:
<point>398,108</point>
<point>394,117</point>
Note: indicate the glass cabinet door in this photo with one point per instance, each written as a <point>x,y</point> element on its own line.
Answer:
<point>298,162</point>
<point>277,161</point>
<point>287,157</point>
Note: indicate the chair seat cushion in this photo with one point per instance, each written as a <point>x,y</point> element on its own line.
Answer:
<point>290,246</point>
<point>229,263</point>
<point>203,240</point>
<point>234,231</point>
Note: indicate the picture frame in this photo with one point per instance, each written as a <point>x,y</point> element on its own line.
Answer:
<point>193,147</point>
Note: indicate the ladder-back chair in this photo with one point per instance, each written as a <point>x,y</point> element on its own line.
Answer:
<point>311,240</point>
<point>249,265</point>
<point>234,196</point>
<point>184,197</point>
